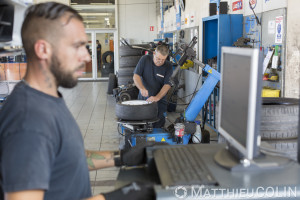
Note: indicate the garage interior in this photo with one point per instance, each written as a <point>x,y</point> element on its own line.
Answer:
<point>128,29</point>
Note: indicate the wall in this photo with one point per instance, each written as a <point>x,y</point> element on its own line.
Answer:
<point>67,2</point>
<point>291,52</point>
<point>292,75</point>
<point>135,19</point>
<point>197,9</point>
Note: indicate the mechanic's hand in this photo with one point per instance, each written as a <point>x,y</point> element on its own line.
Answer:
<point>133,191</point>
<point>153,99</point>
<point>135,155</point>
<point>144,92</point>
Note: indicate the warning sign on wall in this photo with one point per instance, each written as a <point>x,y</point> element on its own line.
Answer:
<point>279,29</point>
<point>237,5</point>
<point>151,28</point>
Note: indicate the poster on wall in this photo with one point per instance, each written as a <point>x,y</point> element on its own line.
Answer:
<point>237,5</point>
<point>161,16</point>
<point>192,19</point>
<point>279,29</point>
<point>178,14</point>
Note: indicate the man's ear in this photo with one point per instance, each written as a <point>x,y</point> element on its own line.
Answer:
<point>42,49</point>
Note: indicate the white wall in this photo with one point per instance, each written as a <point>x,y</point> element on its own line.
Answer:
<point>135,19</point>
<point>67,2</point>
<point>292,72</point>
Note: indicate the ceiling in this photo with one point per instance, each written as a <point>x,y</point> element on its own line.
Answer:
<point>96,13</point>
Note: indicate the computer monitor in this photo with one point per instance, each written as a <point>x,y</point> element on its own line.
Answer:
<point>240,101</point>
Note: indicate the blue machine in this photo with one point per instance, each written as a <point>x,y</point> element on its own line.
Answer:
<point>192,111</point>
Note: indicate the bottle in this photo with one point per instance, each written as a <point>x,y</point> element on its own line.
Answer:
<point>197,137</point>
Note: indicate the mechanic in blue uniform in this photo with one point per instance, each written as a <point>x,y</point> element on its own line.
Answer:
<point>42,155</point>
<point>152,77</point>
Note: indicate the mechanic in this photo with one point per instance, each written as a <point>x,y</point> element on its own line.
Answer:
<point>152,77</point>
<point>41,148</point>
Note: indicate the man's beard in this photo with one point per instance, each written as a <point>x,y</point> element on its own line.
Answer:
<point>63,78</point>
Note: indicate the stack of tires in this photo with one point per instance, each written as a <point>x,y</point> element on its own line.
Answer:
<point>128,60</point>
<point>279,124</point>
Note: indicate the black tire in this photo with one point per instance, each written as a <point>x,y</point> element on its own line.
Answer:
<point>112,83</point>
<point>136,112</point>
<point>279,118</point>
<point>129,61</point>
<point>126,71</point>
<point>124,80</point>
<point>288,147</point>
<point>105,55</point>
<point>205,136</point>
<point>127,51</point>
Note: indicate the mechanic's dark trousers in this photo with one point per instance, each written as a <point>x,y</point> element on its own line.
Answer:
<point>162,108</point>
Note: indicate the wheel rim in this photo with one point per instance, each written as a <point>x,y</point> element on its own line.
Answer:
<point>136,102</point>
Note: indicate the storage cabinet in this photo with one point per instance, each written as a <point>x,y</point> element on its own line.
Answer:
<point>218,31</point>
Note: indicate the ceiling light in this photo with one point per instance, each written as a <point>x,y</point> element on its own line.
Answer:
<point>95,14</point>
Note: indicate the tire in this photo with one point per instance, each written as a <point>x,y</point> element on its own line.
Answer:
<point>105,55</point>
<point>279,118</point>
<point>127,51</point>
<point>126,71</point>
<point>136,112</point>
<point>287,147</point>
<point>112,83</point>
<point>124,80</point>
<point>129,61</point>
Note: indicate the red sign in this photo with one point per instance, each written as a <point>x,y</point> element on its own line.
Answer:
<point>253,3</point>
<point>151,28</point>
<point>237,5</point>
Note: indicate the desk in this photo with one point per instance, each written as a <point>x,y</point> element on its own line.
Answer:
<point>280,183</point>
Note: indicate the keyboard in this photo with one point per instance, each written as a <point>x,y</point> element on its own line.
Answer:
<point>182,166</point>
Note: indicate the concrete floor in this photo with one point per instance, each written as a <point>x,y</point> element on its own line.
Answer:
<point>94,112</point>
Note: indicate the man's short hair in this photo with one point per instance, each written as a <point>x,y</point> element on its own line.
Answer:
<point>162,49</point>
<point>41,22</point>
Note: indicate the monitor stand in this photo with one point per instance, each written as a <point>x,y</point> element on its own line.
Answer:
<point>263,162</point>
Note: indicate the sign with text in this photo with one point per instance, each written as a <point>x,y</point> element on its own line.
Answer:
<point>237,5</point>
<point>151,28</point>
<point>279,29</point>
<point>178,14</point>
<point>253,3</point>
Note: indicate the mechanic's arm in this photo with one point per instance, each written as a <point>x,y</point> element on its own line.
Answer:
<point>100,159</point>
<point>25,195</point>
<point>164,90</point>
<point>139,84</point>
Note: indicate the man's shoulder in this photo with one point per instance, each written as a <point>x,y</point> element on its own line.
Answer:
<point>168,65</point>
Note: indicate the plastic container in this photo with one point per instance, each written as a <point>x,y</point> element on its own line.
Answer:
<point>270,93</point>
<point>197,137</point>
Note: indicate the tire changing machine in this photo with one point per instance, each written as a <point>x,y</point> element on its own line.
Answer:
<point>139,132</point>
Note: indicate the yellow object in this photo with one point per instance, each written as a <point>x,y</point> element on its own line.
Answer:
<point>273,77</point>
<point>270,93</point>
<point>163,140</point>
<point>187,64</point>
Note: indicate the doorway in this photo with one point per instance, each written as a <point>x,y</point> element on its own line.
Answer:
<point>101,46</point>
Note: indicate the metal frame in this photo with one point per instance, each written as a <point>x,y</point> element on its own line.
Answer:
<point>93,33</point>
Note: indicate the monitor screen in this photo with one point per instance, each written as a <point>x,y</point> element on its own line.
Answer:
<point>240,97</point>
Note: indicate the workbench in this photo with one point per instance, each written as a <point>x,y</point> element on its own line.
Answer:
<point>279,183</point>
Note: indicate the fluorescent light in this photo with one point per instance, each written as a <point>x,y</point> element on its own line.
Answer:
<point>95,14</point>
<point>94,7</point>
<point>101,4</point>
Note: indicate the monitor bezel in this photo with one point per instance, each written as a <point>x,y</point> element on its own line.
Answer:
<point>251,150</point>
